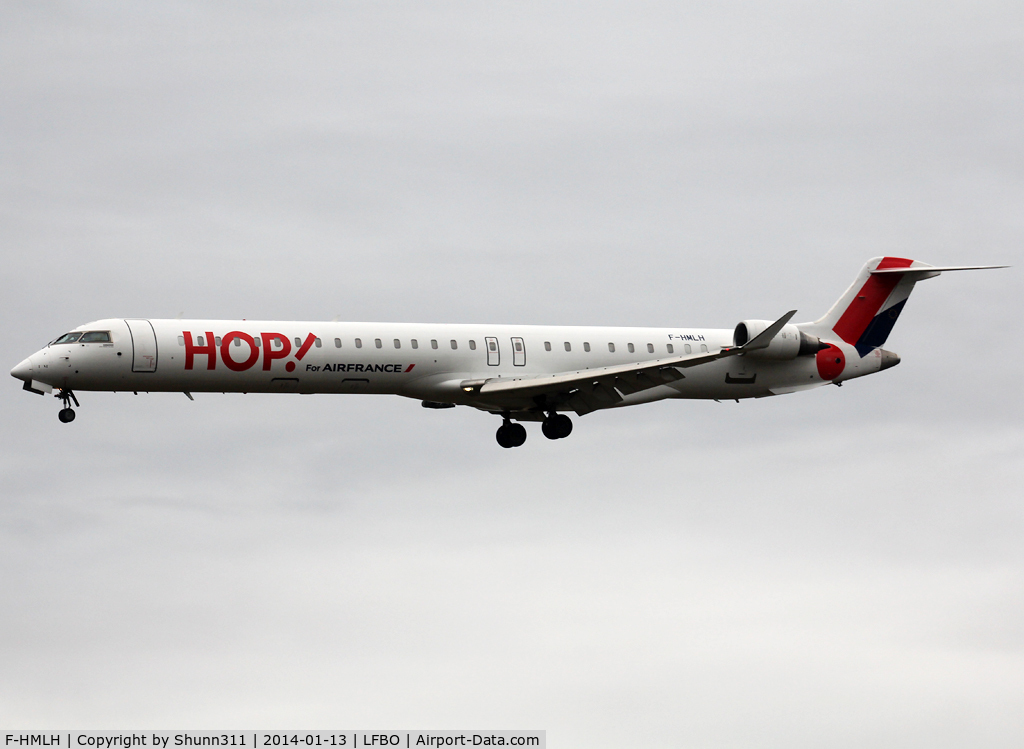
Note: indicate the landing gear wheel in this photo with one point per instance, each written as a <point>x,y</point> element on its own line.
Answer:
<point>503,436</point>
<point>518,432</point>
<point>557,427</point>
<point>511,435</point>
<point>67,414</point>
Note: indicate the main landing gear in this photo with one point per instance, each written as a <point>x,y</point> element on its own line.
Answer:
<point>67,414</point>
<point>510,435</point>
<point>555,427</point>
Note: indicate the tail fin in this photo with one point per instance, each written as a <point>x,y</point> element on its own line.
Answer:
<point>865,315</point>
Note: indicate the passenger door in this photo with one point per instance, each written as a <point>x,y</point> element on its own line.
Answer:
<point>143,345</point>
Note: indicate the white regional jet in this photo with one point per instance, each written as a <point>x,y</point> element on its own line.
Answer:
<point>519,372</point>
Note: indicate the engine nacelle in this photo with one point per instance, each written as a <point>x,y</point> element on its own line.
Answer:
<point>790,342</point>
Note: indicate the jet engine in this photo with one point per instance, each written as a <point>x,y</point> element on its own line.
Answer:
<point>790,342</point>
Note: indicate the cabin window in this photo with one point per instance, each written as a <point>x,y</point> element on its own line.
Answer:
<point>704,347</point>
<point>216,339</point>
<point>671,348</point>
<point>631,347</point>
<point>200,341</point>
<point>359,342</point>
<point>472,345</point>
<point>547,345</point>
<point>337,343</point>
<point>72,337</point>
<point>298,342</point>
<point>433,343</point>
<point>181,340</point>
<point>519,345</point>
<point>398,343</point>
<point>492,345</point>
<point>650,348</point>
<point>258,340</point>
<point>455,344</point>
<point>414,343</point>
<point>318,343</point>
<point>377,342</point>
<point>275,342</point>
<point>568,346</point>
<point>611,347</point>
<point>586,346</point>
<point>95,336</point>
<point>688,348</point>
<point>237,341</point>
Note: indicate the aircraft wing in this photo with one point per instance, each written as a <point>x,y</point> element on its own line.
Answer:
<point>588,390</point>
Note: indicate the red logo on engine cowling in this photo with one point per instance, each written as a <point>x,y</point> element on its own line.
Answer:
<point>831,362</point>
<point>209,350</point>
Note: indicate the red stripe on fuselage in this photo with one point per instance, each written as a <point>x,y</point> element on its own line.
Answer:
<point>869,300</point>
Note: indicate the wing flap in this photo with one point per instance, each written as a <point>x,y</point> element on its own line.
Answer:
<point>591,397</point>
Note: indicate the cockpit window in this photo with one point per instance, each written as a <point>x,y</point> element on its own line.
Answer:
<point>95,336</point>
<point>68,338</point>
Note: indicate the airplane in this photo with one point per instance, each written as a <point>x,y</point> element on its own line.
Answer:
<point>522,373</point>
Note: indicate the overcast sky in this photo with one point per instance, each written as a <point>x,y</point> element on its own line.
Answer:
<point>840,567</point>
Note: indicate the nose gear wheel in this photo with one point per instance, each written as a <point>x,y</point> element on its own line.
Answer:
<point>67,396</point>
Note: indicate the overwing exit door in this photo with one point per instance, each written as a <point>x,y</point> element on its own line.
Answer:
<point>493,355</point>
<point>518,352</point>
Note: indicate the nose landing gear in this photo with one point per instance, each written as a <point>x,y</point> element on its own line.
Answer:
<point>67,414</point>
<point>510,435</point>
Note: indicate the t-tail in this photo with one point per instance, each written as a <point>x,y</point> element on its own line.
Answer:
<point>865,315</point>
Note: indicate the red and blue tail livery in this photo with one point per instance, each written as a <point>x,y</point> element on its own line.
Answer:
<point>867,322</point>
<point>521,373</point>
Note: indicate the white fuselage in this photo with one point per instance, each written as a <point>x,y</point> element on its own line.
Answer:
<point>422,361</point>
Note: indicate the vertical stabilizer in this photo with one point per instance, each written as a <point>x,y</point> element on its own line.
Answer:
<point>865,315</point>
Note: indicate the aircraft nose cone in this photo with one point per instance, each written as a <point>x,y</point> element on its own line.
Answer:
<point>23,371</point>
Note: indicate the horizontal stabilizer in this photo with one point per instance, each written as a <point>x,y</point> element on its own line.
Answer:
<point>934,269</point>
